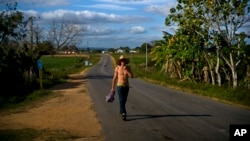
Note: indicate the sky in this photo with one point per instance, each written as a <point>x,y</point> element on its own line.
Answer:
<point>105,23</point>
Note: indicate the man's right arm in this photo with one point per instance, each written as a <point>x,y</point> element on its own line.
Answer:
<point>114,80</point>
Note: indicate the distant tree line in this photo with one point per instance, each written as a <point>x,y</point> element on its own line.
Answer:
<point>139,49</point>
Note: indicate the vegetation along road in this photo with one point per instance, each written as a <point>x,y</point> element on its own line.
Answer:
<point>158,113</point>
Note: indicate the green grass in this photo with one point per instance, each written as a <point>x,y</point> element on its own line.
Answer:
<point>62,63</point>
<point>60,67</point>
<point>239,96</point>
<point>57,68</point>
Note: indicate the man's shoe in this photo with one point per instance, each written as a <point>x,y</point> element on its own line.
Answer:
<point>124,116</point>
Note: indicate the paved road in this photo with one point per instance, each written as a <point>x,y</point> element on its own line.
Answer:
<point>156,113</point>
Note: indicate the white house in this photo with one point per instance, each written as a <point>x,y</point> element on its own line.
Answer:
<point>132,51</point>
<point>119,51</point>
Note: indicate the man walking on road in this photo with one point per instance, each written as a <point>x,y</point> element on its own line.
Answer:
<point>121,74</point>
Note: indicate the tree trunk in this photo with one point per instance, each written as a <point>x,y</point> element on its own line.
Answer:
<point>228,78</point>
<point>210,65</point>
<point>170,69</point>
<point>217,68</point>
<point>233,67</point>
<point>192,72</point>
<point>218,76</point>
<point>212,76</point>
<point>175,70</point>
<point>205,76</point>
<point>235,78</point>
<point>179,70</point>
<point>166,66</point>
<point>234,72</point>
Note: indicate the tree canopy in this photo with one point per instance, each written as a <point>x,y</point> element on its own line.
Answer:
<point>210,38</point>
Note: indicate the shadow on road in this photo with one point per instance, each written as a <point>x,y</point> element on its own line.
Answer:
<point>138,117</point>
<point>99,76</point>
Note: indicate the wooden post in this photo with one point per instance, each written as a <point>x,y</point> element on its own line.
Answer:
<point>40,68</point>
<point>41,78</point>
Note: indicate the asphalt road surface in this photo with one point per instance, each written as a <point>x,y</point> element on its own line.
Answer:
<point>156,113</point>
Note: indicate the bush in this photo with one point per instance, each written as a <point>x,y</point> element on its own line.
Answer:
<point>12,72</point>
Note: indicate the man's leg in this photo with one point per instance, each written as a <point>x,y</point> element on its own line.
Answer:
<point>121,99</point>
<point>123,94</point>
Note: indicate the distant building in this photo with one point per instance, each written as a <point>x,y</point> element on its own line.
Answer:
<point>132,51</point>
<point>120,51</point>
<point>69,52</point>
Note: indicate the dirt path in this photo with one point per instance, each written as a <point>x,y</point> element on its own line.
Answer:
<point>67,117</point>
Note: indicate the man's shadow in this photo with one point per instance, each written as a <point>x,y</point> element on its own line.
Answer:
<point>139,117</point>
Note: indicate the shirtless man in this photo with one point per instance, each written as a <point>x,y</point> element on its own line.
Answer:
<point>121,75</point>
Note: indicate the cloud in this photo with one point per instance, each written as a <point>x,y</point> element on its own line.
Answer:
<point>145,2</point>
<point>30,13</point>
<point>107,6</point>
<point>245,28</point>
<point>130,0</point>
<point>246,24</point>
<point>160,9</point>
<point>87,17</point>
<point>137,30</point>
<point>99,30</point>
<point>45,3</point>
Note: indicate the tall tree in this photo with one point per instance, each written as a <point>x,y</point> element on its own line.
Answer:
<point>214,23</point>
<point>10,21</point>
<point>15,60</point>
<point>189,37</point>
<point>64,34</point>
<point>227,18</point>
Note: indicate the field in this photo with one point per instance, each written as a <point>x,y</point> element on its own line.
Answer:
<point>63,64</point>
<point>57,68</point>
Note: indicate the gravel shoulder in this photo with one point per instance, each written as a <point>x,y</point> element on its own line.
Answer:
<point>70,116</point>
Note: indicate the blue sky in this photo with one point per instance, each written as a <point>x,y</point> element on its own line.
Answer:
<point>106,23</point>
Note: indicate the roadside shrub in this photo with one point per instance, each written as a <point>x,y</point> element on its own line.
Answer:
<point>14,73</point>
